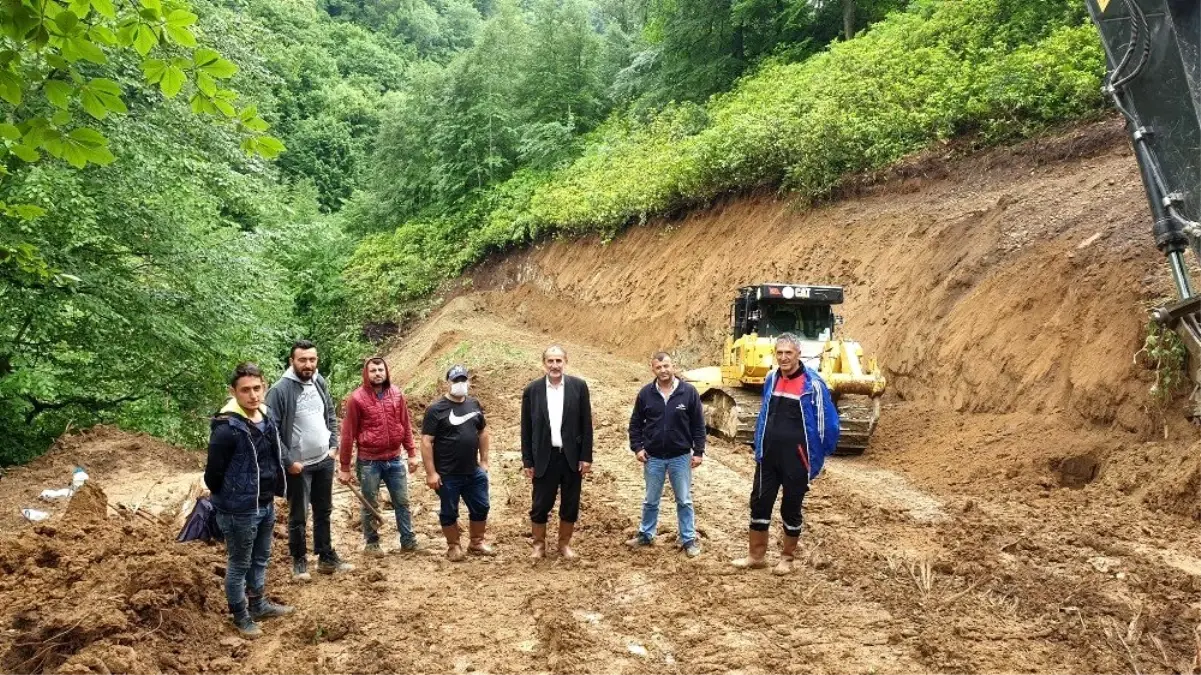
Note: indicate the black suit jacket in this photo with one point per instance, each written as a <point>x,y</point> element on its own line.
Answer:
<point>535,425</point>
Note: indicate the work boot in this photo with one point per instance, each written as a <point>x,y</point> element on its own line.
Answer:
<point>262,608</point>
<point>565,531</point>
<point>539,551</point>
<point>639,541</point>
<point>692,549</point>
<point>478,546</point>
<point>757,558</point>
<point>373,550</point>
<point>409,546</point>
<point>454,551</point>
<point>245,625</point>
<point>787,556</point>
<point>300,569</point>
<point>332,563</point>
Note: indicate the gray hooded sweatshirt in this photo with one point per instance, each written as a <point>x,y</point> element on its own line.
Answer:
<point>306,417</point>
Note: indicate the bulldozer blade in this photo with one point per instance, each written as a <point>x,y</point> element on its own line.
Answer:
<point>732,413</point>
<point>1185,318</point>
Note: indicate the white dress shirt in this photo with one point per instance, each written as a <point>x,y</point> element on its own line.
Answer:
<point>554,409</point>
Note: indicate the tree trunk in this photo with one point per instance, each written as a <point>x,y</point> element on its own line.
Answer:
<point>848,19</point>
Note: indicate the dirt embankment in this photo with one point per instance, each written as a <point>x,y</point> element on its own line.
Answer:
<point>1011,281</point>
<point>1013,284</point>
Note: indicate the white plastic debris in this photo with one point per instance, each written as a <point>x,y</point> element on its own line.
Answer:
<point>55,495</point>
<point>637,649</point>
<point>33,515</point>
<point>78,478</point>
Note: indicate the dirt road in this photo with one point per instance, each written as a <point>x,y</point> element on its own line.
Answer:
<point>897,576</point>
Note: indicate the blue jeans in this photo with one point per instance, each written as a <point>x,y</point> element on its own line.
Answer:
<point>248,551</point>
<point>395,475</point>
<point>473,487</point>
<point>679,471</point>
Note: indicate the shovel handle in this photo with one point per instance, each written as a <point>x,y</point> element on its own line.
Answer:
<point>375,514</point>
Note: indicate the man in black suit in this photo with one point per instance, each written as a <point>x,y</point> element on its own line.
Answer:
<point>556,447</point>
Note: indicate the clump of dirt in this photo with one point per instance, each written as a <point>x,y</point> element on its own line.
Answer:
<point>137,469</point>
<point>88,503</point>
<point>90,593</point>
<point>326,628</point>
<point>1078,470</point>
<point>376,656</point>
<point>560,635</point>
<point>105,657</point>
<point>1165,476</point>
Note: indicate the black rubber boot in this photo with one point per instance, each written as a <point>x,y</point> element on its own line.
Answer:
<point>242,621</point>
<point>262,608</point>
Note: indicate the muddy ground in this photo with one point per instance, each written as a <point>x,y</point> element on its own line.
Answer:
<point>1023,508</point>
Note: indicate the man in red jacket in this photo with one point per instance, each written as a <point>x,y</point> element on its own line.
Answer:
<point>377,421</point>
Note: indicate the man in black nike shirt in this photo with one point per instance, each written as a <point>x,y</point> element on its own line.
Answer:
<point>453,435</point>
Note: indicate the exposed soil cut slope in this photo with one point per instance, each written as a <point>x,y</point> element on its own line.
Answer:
<point>1012,281</point>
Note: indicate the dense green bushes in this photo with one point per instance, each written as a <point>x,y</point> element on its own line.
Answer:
<point>998,68</point>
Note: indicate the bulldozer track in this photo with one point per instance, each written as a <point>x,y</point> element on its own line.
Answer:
<point>857,417</point>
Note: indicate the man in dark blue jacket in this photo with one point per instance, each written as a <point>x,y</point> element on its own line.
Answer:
<point>667,434</point>
<point>245,472</point>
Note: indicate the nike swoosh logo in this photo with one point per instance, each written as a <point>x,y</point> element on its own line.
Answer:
<point>456,420</point>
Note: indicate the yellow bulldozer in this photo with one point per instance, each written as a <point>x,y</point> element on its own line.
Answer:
<point>732,393</point>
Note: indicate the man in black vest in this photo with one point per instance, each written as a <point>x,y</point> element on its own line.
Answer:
<point>556,447</point>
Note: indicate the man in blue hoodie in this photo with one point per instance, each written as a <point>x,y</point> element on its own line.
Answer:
<point>301,407</point>
<point>245,472</point>
<point>667,434</point>
<point>796,430</point>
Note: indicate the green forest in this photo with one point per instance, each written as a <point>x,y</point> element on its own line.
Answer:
<point>186,185</point>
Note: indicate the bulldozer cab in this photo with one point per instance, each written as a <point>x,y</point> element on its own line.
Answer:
<point>769,310</point>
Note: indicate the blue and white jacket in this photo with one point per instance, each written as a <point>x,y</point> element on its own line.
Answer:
<point>817,412</point>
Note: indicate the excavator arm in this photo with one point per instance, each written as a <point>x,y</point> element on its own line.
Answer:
<point>1153,48</point>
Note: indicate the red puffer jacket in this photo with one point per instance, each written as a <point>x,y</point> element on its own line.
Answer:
<point>378,425</point>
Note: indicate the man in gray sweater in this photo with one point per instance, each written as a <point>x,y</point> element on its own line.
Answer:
<point>301,407</point>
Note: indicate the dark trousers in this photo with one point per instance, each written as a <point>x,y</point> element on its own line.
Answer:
<point>473,488</point>
<point>559,479</point>
<point>779,470</point>
<point>248,552</point>
<point>312,486</point>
